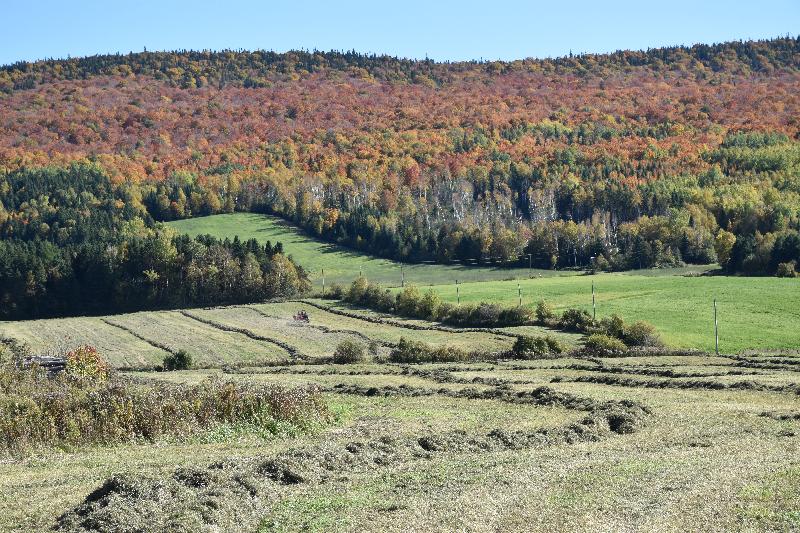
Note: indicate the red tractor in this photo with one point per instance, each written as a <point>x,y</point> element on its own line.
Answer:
<point>301,317</point>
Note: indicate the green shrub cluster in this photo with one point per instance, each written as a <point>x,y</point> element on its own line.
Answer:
<point>527,347</point>
<point>600,345</point>
<point>349,351</point>
<point>36,410</point>
<point>428,305</point>
<point>180,360</point>
<point>408,351</point>
<point>639,333</point>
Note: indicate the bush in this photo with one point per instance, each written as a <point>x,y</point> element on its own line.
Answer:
<point>336,292</point>
<point>642,333</point>
<point>612,326</point>
<point>417,352</point>
<point>85,363</point>
<point>485,315</point>
<point>600,345</point>
<point>526,347</point>
<point>428,306</point>
<point>408,301</point>
<point>349,351</point>
<point>787,270</point>
<point>357,290</point>
<point>373,348</point>
<point>576,320</point>
<point>515,316</point>
<point>544,312</point>
<point>180,360</point>
<point>36,410</point>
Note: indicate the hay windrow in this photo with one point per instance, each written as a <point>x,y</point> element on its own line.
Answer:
<point>235,494</point>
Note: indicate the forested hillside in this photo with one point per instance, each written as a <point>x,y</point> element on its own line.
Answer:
<point>624,160</point>
<point>74,243</point>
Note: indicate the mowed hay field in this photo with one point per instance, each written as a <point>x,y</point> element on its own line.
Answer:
<point>253,335</point>
<point>754,312</point>
<point>472,447</point>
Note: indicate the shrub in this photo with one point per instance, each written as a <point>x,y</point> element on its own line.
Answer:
<point>460,314</point>
<point>349,351</point>
<point>336,292</point>
<point>417,352</point>
<point>36,410</point>
<point>373,348</point>
<point>515,316</point>
<point>357,289</point>
<point>544,312</point>
<point>787,270</point>
<point>554,345</point>
<point>602,264</point>
<point>642,333</point>
<point>485,315</point>
<point>429,304</point>
<point>612,326</point>
<point>526,347</point>
<point>408,301</point>
<point>85,363</point>
<point>180,360</point>
<point>385,301</point>
<point>600,345</point>
<point>576,320</point>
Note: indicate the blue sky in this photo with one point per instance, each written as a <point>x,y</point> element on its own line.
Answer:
<point>444,30</point>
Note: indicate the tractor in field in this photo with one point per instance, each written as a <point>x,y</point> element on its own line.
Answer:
<point>301,317</point>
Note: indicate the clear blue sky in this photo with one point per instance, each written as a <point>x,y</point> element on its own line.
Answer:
<point>454,30</point>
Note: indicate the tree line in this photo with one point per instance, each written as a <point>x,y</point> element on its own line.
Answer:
<point>72,246</point>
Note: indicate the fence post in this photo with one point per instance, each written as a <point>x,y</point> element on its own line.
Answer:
<point>716,330</point>
<point>323,282</point>
<point>519,291</point>
<point>458,295</point>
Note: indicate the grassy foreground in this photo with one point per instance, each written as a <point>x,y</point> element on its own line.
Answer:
<point>705,459</point>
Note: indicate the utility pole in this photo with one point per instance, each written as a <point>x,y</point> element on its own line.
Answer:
<point>402,276</point>
<point>716,329</point>
<point>594,306</point>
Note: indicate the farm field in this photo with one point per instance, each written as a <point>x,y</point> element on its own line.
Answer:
<point>247,335</point>
<point>649,442</point>
<point>340,264</point>
<point>708,455</point>
<point>754,312</point>
<point>641,443</point>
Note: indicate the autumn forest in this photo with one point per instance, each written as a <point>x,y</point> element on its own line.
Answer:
<point>610,162</point>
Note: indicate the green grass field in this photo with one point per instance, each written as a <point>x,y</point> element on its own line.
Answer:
<point>754,313</point>
<point>340,264</point>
